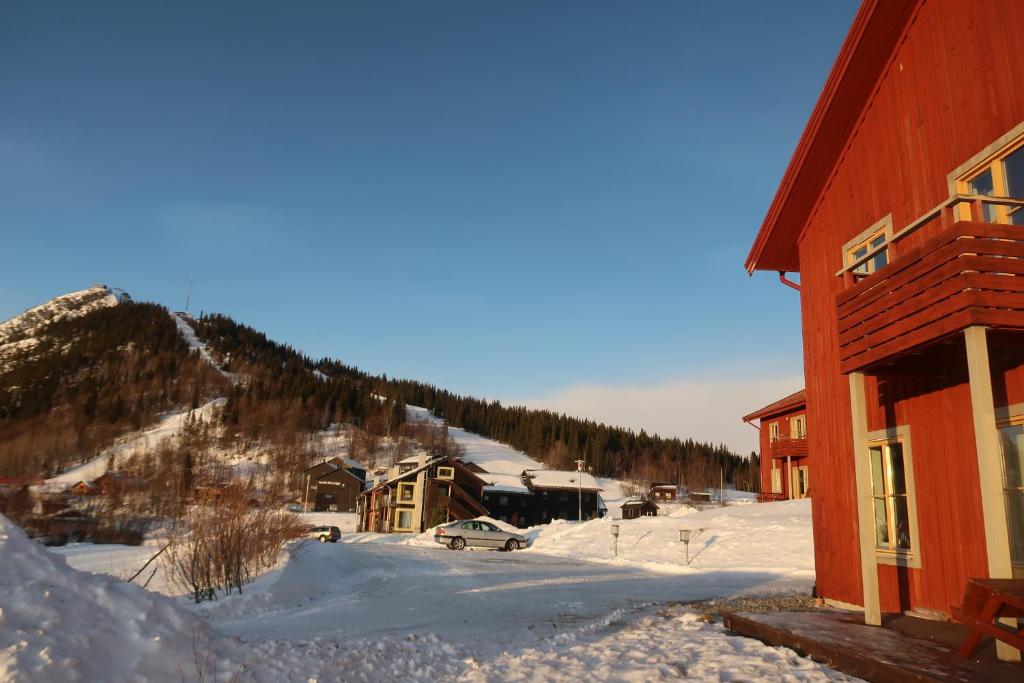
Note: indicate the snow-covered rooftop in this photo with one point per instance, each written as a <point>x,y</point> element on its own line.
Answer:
<point>508,483</point>
<point>559,479</point>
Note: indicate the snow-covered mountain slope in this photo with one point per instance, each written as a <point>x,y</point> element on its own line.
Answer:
<point>495,457</point>
<point>135,443</point>
<point>18,334</point>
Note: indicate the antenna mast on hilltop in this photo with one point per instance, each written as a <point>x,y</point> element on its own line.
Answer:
<point>188,295</point>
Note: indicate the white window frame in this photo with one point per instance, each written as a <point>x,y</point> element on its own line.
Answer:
<point>773,432</point>
<point>776,478</point>
<point>898,557</point>
<point>398,516</point>
<point>798,427</point>
<point>445,472</point>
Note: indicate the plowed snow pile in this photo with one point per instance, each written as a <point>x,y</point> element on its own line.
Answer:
<point>59,624</point>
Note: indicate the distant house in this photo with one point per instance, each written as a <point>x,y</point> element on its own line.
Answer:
<point>539,496</point>
<point>421,494</point>
<point>633,508</point>
<point>509,499</point>
<point>663,491</point>
<point>333,485</point>
<point>563,494</point>
<point>785,458</point>
<point>84,488</point>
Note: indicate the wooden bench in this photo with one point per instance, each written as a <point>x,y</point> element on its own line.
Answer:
<point>985,602</point>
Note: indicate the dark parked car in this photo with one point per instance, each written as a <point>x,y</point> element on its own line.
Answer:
<point>479,533</point>
<point>324,533</point>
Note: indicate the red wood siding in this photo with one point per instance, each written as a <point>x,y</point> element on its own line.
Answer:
<point>952,88</point>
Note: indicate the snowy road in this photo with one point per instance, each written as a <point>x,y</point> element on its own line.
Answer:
<point>483,598</point>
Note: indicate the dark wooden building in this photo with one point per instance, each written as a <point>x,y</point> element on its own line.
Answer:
<point>334,485</point>
<point>663,491</point>
<point>901,212</point>
<point>785,462</point>
<point>633,508</point>
<point>563,495</point>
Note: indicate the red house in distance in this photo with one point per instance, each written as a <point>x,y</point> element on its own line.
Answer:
<point>785,465</point>
<point>902,210</point>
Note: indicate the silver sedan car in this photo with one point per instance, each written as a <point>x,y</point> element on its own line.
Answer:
<point>478,533</point>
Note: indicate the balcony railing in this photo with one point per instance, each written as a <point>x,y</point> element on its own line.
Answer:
<point>968,273</point>
<point>783,446</point>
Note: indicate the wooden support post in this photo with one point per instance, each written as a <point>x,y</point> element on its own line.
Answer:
<point>789,477</point>
<point>990,468</point>
<point>865,511</point>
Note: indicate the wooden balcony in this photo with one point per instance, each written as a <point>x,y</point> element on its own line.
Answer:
<point>795,447</point>
<point>968,273</point>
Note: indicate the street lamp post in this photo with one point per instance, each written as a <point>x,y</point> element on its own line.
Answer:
<point>579,484</point>
<point>684,536</point>
<point>615,537</point>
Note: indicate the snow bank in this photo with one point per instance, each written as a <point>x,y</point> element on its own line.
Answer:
<point>58,624</point>
<point>771,536</point>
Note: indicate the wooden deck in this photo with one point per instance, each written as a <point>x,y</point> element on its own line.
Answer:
<point>967,274</point>
<point>905,649</point>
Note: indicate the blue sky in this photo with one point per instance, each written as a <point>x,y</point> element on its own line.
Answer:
<point>530,201</point>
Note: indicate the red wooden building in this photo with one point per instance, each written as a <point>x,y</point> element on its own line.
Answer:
<point>785,465</point>
<point>900,211</point>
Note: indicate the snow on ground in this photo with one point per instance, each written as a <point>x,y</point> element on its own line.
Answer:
<point>128,446</point>
<point>772,537</point>
<point>345,521</point>
<point>121,561</point>
<point>400,607</point>
<point>57,624</point>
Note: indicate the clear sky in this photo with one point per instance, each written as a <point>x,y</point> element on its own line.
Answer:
<point>540,202</point>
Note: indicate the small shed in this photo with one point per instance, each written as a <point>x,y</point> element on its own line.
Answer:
<point>638,507</point>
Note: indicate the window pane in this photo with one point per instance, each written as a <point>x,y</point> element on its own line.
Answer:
<point>876,471</point>
<point>1015,512</point>
<point>901,522</point>
<point>1013,167</point>
<point>898,485</point>
<point>879,260</point>
<point>881,524</point>
<point>1012,438</point>
<point>983,185</point>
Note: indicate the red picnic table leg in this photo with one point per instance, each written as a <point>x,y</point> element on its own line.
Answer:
<point>986,616</point>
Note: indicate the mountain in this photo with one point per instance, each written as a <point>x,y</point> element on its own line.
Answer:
<point>92,367</point>
<point>18,335</point>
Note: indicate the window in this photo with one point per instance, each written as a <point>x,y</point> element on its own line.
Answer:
<point>776,480</point>
<point>773,432</point>
<point>874,244</point>
<point>1012,438</point>
<point>503,500</point>
<point>406,491</point>
<point>1001,174</point>
<point>889,497</point>
<point>801,482</point>
<point>446,490</point>
<point>798,427</point>
<point>445,472</point>
<point>403,519</point>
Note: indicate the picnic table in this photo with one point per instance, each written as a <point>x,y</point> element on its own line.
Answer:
<point>986,601</point>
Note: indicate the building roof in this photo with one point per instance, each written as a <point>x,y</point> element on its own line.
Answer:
<point>876,32</point>
<point>792,402</point>
<point>504,483</point>
<point>559,479</point>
